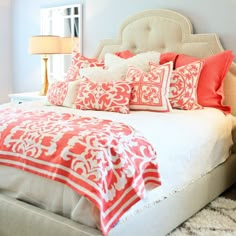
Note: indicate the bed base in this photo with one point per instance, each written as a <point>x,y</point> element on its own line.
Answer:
<point>21,219</point>
<point>181,205</point>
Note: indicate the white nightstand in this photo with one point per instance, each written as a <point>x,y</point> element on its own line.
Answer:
<point>26,97</point>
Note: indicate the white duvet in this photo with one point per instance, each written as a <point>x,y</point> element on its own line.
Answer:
<point>188,143</point>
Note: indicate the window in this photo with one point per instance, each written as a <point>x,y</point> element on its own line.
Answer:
<point>64,21</point>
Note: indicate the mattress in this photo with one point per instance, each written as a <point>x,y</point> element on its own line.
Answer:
<point>189,144</point>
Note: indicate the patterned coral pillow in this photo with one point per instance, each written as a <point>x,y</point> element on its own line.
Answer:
<point>62,93</point>
<point>210,85</point>
<point>104,96</point>
<point>73,73</point>
<point>183,86</point>
<point>78,62</point>
<point>150,89</point>
<point>82,61</point>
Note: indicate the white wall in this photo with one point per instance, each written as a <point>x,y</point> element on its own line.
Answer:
<point>102,19</point>
<point>216,16</point>
<point>5,49</point>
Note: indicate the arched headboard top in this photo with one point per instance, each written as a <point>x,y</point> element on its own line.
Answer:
<point>168,31</point>
<point>161,30</point>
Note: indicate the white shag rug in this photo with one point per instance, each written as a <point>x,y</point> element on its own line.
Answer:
<point>216,219</point>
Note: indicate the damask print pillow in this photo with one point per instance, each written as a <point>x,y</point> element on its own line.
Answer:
<point>62,93</point>
<point>150,89</point>
<point>183,86</point>
<point>103,96</point>
<point>78,62</point>
<point>83,62</point>
<point>72,73</point>
<point>210,91</point>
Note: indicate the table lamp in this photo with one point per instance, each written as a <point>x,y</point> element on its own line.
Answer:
<point>68,44</point>
<point>44,45</point>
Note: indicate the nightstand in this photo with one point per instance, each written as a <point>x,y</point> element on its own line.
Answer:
<point>25,97</point>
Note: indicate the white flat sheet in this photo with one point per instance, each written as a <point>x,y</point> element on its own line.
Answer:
<point>189,144</point>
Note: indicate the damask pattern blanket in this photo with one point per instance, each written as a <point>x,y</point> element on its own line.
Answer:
<point>108,162</point>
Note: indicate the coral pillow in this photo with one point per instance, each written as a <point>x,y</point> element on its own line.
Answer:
<point>183,86</point>
<point>167,57</point>
<point>150,89</point>
<point>210,84</point>
<point>62,93</point>
<point>104,96</point>
<point>79,62</point>
<point>124,54</point>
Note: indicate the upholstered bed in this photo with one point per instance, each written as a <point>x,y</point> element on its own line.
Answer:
<point>161,210</point>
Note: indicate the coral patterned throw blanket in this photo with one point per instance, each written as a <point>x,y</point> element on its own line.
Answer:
<point>108,162</point>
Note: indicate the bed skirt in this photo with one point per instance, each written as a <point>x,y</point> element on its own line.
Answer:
<point>21,219</point>
<point>18,218</point>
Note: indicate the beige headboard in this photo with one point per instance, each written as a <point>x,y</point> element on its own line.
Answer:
<point>168,31</point>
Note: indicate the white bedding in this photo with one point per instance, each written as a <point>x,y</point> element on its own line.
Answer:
<point>189,144</point>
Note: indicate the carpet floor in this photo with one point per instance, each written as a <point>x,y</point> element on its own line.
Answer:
<point>216,219</point>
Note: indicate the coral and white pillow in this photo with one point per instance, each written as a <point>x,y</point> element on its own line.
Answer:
<point>73,73</point>
<point>183,86</point>
<point>78,62</point>
<point>140,61</point>
<point>104,96</point>
<point>150,89</point>
<point>83,62</point>
<point>210,85</point>
<point>62,93</point>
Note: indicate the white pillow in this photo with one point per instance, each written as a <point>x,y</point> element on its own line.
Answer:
<point>98,74</point>
<point>140,61</point>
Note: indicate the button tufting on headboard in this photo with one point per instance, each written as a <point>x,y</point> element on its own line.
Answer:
<point>133,47</point>
<point>148,28</point>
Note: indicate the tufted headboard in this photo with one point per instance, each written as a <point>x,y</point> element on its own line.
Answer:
<point>168,31</point>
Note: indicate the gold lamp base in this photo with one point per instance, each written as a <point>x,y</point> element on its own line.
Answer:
<point>44,89</point>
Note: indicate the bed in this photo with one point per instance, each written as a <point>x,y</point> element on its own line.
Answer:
<point>163,31</point>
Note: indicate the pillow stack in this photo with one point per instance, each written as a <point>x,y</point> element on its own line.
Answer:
<point>147,81</point>
<point>210,84</point>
